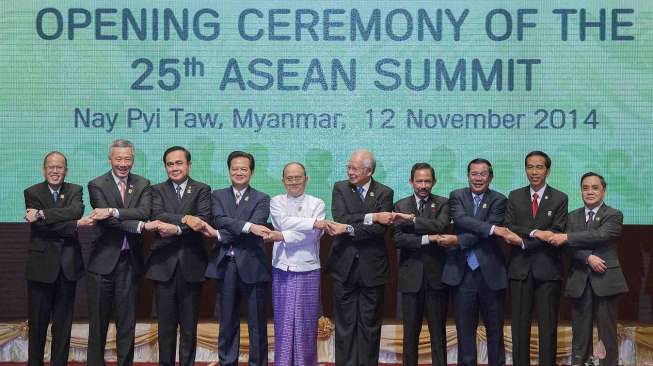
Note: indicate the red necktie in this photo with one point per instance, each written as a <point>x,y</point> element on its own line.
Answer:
<point>534,204</point>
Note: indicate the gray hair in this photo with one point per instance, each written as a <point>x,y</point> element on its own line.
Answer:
<point>368,158</point>
<point>118,143</point>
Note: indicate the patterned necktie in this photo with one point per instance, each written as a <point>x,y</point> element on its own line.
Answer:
<point>477,204</point>
<point>534,204</point>
<point>422,203</point>
<point>178,190</point>
<point>238,196</point>
<point>590,218</point>
<point>122,187</point>
<point>55,196</point>
<point>361,193</point>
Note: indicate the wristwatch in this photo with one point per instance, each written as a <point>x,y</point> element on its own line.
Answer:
<point>350,229</point>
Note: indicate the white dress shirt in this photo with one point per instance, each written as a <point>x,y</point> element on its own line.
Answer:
<point>294,217</point>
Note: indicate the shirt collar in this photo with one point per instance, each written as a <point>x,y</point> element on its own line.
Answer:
<point>241,192</point>
<point>296,199</point>
<point>117,180</point>
<point>595,209</point>
<point>55,190</point>
<point>182,185</point>
<point>540,192</point>
<point>418,198</point>
<point>366,187</point>
<point>474,195</point>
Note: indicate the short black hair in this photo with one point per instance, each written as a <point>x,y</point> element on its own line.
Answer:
<point>547,159</point>
<point>480,161</point>
<point>420,166</point>
<point>241,154</point>
<point>283,172</point>
<point>55,152</point>
<point>592,174</point>
<point>176,148</point>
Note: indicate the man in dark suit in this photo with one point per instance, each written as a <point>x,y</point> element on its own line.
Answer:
<point>238,260</point>
<point>54,262</point>
<point>358,261</point>
<point>595,280</point>
<point>178,259</point>
<point>420,265</point>
<point>121,202</point>
<point>475,266</point>
<point>535,269</point>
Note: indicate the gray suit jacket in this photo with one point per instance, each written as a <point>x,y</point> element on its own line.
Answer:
<point>600,240</point>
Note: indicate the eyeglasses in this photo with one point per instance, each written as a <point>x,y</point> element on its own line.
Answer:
<point>479,175</point>
<point>294,179</point>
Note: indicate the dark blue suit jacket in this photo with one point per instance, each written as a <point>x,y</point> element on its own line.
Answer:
<point>230,219</point>
<point>473,232</point>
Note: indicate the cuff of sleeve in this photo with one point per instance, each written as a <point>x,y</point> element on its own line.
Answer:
<point>523,246</point>
<point>492,230</point>
<point>139,228</point>
<point>115,213</point>
<point>179,230</point>
<point>369,219</point>
<point>425,240</point>
<point>532,233</point>
<point>246,228</point>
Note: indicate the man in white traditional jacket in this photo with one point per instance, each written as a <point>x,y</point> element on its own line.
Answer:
<point>299,223</point>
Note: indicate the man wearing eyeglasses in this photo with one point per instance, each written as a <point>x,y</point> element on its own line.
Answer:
<point>298,220</point>
<point>54,264</point>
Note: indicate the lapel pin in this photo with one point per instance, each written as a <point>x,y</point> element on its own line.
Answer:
<point>432,205</point>
<point>546,197</point>
<point>549,213</point>
<point>371,194</point>
<point>188,190</point>
<point>246,198</point>
<point>596,218</point>
<point>62,196</point>
<point>299,209</point>
<point>485,205</point>
<point>130,191</point>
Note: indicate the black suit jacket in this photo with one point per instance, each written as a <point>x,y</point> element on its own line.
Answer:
<point>600,240</point>
<point>188,248</point>
<point>229,219</point>
<point>53,241</point>
<point>104,193</point>
<point>414,258</point>
<point>368,240</point>
<point>473,231</point>
<point>544,260</point>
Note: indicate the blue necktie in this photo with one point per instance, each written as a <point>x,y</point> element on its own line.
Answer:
<point>55,196</point>
<point>361,193</point>
<point>178,190</point>
<point>472,261</point>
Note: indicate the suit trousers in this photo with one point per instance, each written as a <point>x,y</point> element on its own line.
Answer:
<point>47,301</point>
<point>524,294</point>
<point>357,313</point>
<point>232,291</point>
<point>177,304</point>
<point>413,307</point>
<point>471,297</point>
<point>584,311</point>
<point>113,294</point>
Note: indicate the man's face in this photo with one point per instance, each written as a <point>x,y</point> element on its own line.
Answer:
<point>294,179</point>
<point>422,183</point>
<point>536,171</point>
<point>55,170</point>
<point>592,191</point>
<point>479,178</point>
<point>239,172</point>
<point>358,174</point>
<point>177,166</point>
<point>121,160</point>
